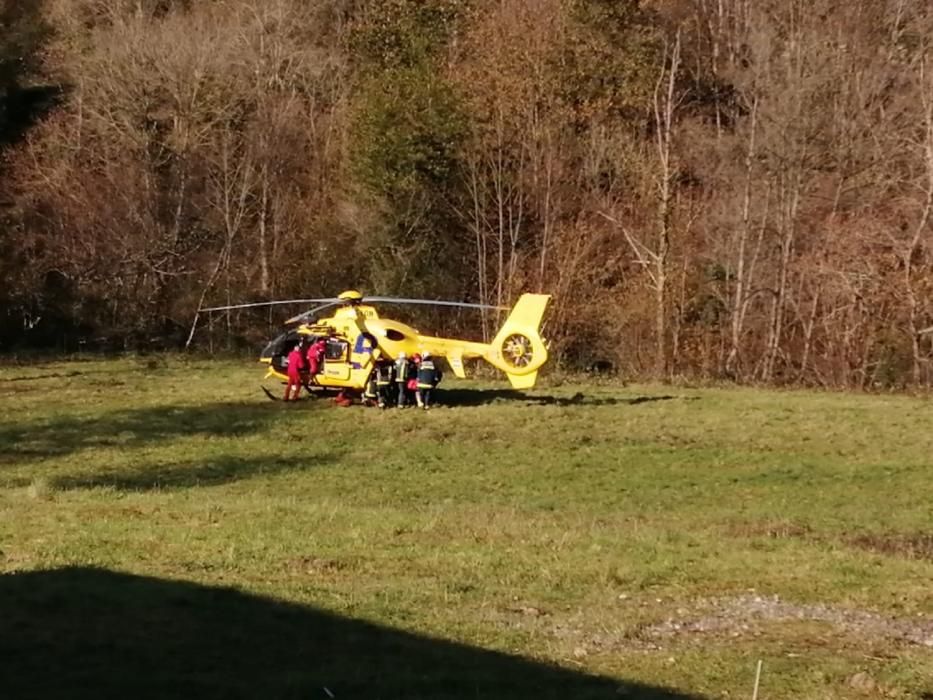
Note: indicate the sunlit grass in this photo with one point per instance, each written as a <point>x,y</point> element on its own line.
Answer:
<point>557,526</point>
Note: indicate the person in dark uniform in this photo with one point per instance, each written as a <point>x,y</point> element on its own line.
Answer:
<point>385,380</point>
<point>429,376</point>
<point>370,393</point>
<point>402,368</point>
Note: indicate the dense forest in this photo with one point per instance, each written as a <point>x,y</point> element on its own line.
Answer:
<point>736,189</point>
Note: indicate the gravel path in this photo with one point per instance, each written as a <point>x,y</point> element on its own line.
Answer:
<point>737,616</point>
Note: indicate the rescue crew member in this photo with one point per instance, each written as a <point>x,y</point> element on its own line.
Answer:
<point>370,393</point>
<point>315,357</point>
<point>296,362</point>
<point>385,379</point>
<point>411,385</point>
<point>428,377</point>
<point>402,368</point>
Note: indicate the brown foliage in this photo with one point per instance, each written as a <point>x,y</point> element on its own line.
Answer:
<point>721,189</point>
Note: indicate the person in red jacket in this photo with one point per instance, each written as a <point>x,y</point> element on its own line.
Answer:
<point>411,384</point>
<point>315,358</point>
<point>296,366</point>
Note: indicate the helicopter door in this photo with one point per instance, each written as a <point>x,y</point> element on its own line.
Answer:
<point>336,359</point>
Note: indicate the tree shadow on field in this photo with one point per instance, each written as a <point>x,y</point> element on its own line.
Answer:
<point>81,632</point>
<point>69,374</point>
<point>63,435</point>
<point>208,471</point>
<point>483,397</point>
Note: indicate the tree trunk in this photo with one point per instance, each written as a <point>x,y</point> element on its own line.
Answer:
<point>263,218</point>
<point>664,108</point>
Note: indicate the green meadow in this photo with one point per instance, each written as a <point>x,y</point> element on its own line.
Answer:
<point>166,530</point>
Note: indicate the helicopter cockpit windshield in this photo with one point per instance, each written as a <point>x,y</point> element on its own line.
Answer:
<point>276,351</point>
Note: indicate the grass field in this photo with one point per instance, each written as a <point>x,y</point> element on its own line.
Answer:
<point>165,530</point>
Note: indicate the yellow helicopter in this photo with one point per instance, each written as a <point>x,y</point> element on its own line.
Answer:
<point>356,336</point>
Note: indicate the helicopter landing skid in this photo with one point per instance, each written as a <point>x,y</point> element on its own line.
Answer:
<point>270,394</point>
<point>312,394</point>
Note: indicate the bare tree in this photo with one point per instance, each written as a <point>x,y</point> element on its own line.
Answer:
<point>653,257</point>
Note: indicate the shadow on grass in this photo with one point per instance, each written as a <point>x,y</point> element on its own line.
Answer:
<point>60,436</point>
<point>482,397</point>
<point>49,381</point>
<point>81,632</point>
<point>208,471</point>
<point>75,373</point>
<point>51,375</point>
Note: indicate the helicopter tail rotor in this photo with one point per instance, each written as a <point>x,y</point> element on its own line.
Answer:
<point>518,349</point>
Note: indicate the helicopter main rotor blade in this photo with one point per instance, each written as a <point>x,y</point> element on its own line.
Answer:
<point>305,314</point>
<point>432,302</point>
<point>268,303</point>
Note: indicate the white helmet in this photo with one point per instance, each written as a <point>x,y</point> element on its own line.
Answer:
<point>402,355</point>
<point>425,355</point>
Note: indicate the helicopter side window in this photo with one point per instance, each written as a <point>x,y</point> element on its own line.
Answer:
<point>336,350</point>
